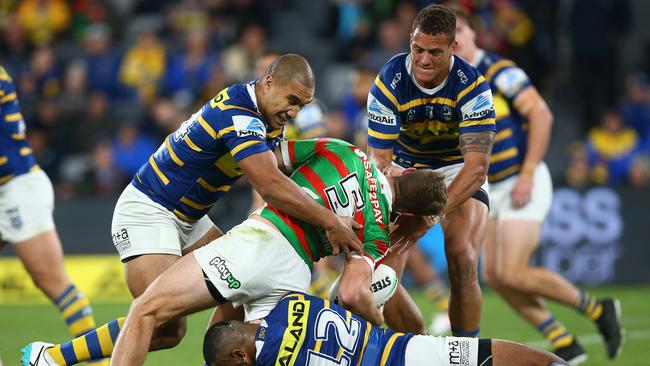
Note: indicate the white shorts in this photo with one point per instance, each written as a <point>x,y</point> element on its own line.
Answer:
<point>441,351</point>
<point>540,200</point>
<point>26,207</point>
<point>255,266</point>
<point>450,172</point>
<point>142,226</point>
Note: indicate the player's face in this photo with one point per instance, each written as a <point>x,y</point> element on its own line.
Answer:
<point>465,39</point>
<point>430,57</point>
<point>283,100</point>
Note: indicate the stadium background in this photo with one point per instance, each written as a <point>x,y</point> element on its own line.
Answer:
<point>101,82</point>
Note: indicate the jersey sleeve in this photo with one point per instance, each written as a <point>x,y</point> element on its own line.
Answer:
<point>297,152</point>
<point>9,107</point>
<point>383,115</point>
<point>511,81</point>
<point>242,131</point>
<point>476,107</point>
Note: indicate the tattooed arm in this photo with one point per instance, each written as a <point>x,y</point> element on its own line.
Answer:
<point>476,148</point>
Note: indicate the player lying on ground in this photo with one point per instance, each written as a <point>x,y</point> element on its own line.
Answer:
<point>307,330</point>
<point>258,262</point>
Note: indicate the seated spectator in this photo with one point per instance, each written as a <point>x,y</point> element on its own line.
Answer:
<point>635,108</point>
<point>46,73</point>
<point>188,71</point>
<point>102,62</point>
<point>130,148</point>
<point>42,20</point>
<point>612,149</point>
<point>239,59</point>
<point>143,66</point>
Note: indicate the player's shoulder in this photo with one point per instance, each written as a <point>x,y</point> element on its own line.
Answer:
<point>233,106</point>
<point>504,74</point>
<point>394,69</point>
<point>462,73</point>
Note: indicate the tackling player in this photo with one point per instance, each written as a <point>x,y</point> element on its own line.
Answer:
<point>306,330</point>
<point>431,110</point>
<point>162,213</point>
<point>520,193</point>
<point>26,207</point>
<point>339,177</point>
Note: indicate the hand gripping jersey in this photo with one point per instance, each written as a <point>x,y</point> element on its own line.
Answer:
<point>421,125</point>
<point>340,177</point>
<point>307,330</point>
<point>507,81</point>
<point>15,153</point>
<point>197,163</point>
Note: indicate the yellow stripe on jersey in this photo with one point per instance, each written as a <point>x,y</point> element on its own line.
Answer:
<point>203,183</point>
<point>504,155</point>
<point>224,131</point>
<point>191,144</point>
<point>482,122</point>
<point>160,174</point>
<point>183,217</point>
<point>194,205</point>
<point>503,134</point>
<point>35,168</point>
<point>243,145</point>
<point>504,173</point>
<point>496,67</point>
<point>501,107</point>
<point>273,134</point>
<point>3,160</point>
<point>295,333</point>
<point>14,117</point>
<point>206,126</point>
<point>9,97</point>
<point>417,151</point>
<point>228,166</point>
<point>389,346</point>
<point>173,155</point>
<point>411,103</point>
<point>6,178</point>
<point>365,342</point>
<point>386,92</point>
<point>25,151</point>
<point>18,136</point>
<point>471,87</point>
<point>231,106</point>
<point>383,136</point>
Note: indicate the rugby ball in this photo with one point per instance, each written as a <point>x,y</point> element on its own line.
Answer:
<point>383,286</point>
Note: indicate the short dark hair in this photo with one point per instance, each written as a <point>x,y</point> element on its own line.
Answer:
<point>292,67</point>
<point>218,341</point>
<point>461,12</point>
<point>436,19</point>
<point>422,192</point>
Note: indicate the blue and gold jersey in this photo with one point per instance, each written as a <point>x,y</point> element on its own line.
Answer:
<point>507,82</point>
<point>422,126</point>
<point>307,330</point>
<point>197,163</point>
<point>15,153</point>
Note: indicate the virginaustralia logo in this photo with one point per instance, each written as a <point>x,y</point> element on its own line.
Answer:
<point>481,102</point>
<point>224,272</point>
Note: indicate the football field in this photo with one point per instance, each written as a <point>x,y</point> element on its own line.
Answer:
<point>20,324</point>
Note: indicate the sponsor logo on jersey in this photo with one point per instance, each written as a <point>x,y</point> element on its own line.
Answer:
<point>428,110</point>
<point>379,113</point>
<point>121,240</point>
<point>294,334</point>
<point>459,352</point>
<point>249,126</point>
<point>462,76</point>
<point>372,188</point>
<point>410,116</point>
<point>478,107</point>
<point>447,113</point>
<point>224,272</point>
<point>396,79</point>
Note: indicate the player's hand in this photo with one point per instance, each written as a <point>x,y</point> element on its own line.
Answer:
<point>342,237</point>
<point>393,170</point>
<point>408,229</point>
<point>521,191</point>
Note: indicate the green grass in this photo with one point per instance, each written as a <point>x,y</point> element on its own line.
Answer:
<point>20,324</point>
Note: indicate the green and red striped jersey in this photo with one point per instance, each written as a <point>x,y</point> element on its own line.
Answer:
<point>340,177</point>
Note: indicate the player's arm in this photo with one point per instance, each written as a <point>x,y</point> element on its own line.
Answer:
<point>354,290</point>
<point>383,127</point>
<point>540,120</point>
<point>476,148</point>
<point>285,195</point>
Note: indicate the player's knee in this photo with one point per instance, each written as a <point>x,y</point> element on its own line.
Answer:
<point>462,262</point>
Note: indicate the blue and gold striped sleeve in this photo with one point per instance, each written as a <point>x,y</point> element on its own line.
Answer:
<point>242,130</point>
<point>383,115</point>
<point>476,106</point>
<point>510,80</point>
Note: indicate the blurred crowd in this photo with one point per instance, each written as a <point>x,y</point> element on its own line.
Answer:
<point>101,82</point>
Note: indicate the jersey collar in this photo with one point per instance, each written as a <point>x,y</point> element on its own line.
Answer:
<point>250,88</point>
<point>423,89</point>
